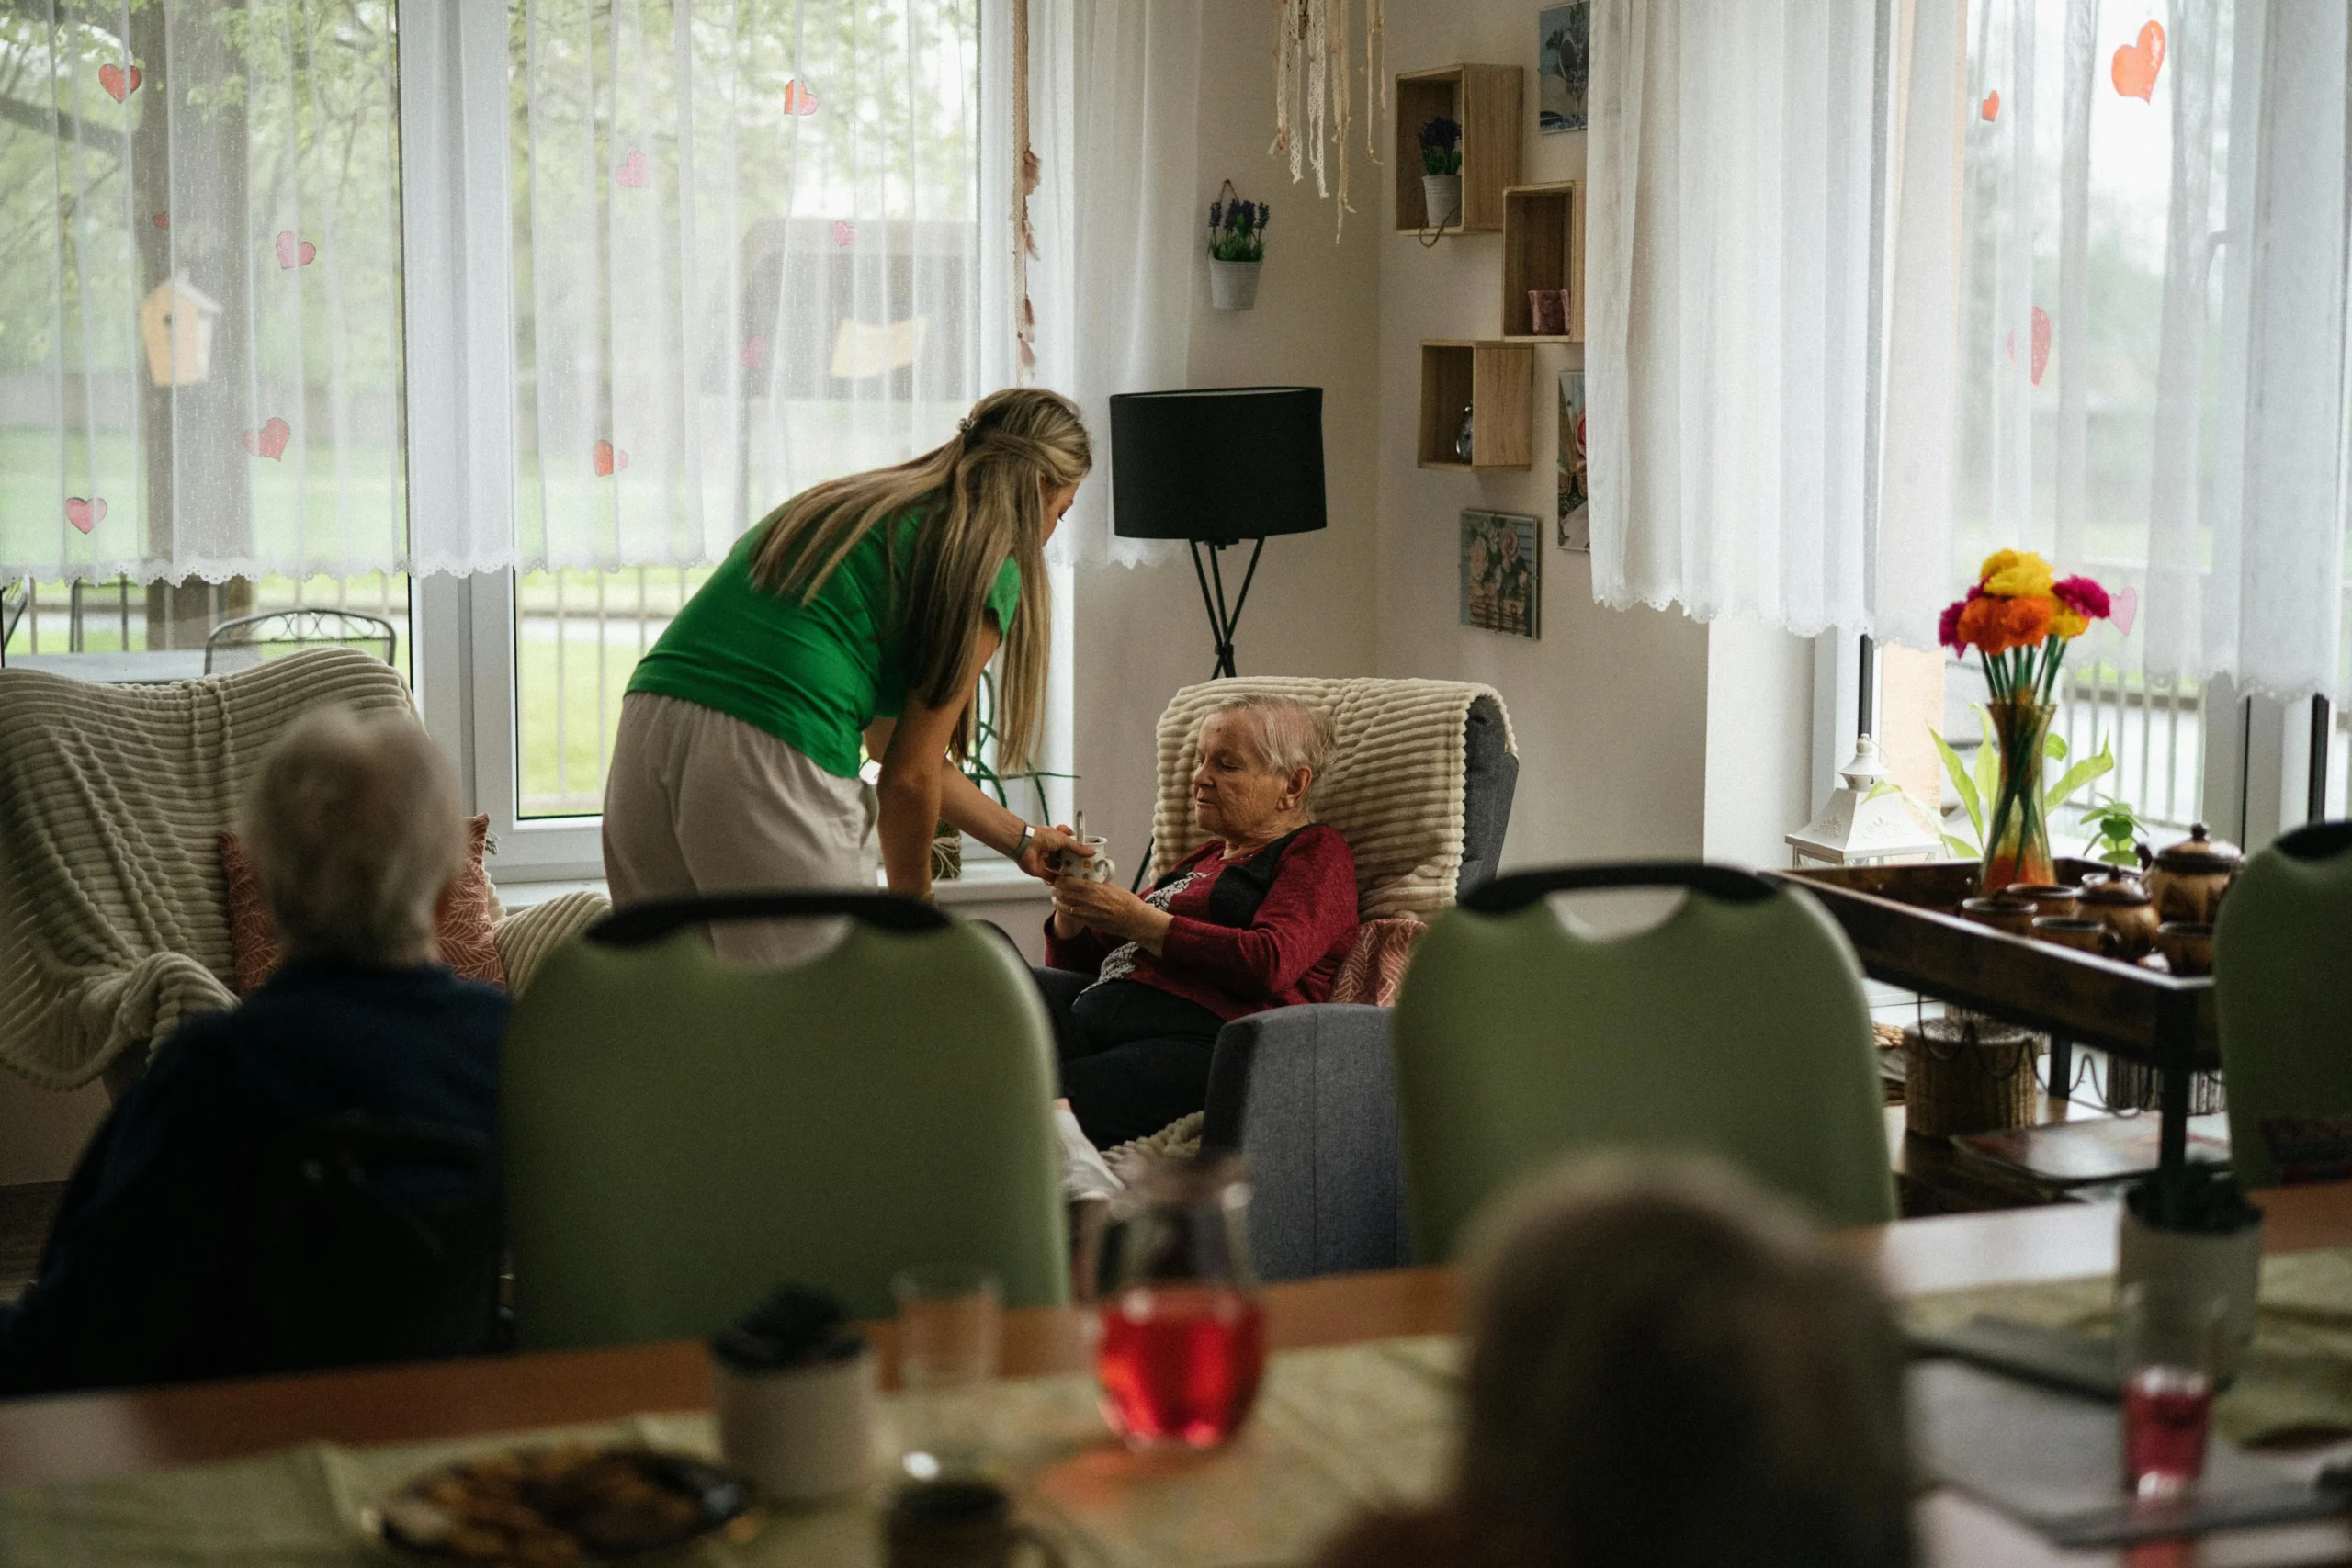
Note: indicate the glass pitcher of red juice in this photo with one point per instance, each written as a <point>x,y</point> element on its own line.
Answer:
<point>1184,1343</point>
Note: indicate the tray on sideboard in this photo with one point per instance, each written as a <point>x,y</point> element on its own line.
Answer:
<point>1904,925</point>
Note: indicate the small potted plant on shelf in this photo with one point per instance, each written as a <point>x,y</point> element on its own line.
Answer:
<point>2189,1228</point>
<point>1442,171</point>
<point>793,1384</point>
<point>1237,249</point>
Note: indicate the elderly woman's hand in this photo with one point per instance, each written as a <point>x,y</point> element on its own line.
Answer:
<point>1111,909</point>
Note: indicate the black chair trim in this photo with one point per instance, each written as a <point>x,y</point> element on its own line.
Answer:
<point>642,923</point>
<point>1506,895</point>
<point>2317,840</point>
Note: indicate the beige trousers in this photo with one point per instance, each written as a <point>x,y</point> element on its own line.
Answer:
<point>697,801</point>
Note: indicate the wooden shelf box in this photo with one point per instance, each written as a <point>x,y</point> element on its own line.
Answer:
<point>1496,381</point>
<point>1485,100</point>
<point>1543,248</point>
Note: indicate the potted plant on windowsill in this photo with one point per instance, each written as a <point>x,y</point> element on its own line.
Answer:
<point>1442,171</point>
<point>2190,1227</point>
<point>1237,249</point>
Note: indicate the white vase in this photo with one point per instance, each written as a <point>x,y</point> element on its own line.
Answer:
<point>1233,285</point>
<point>800,1434</point>
<point>1441,197</point>
<point>2229,1266</point>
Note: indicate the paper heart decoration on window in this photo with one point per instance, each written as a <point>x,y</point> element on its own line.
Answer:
<point>2040,343</point>
<point>610,459</point>
<point>118,85</point>
<point>2136,64</point>
<point>755,354</point>
<point>291,253</point>
<point>85,514</point>
<point>630,171</point>
<point>161,219</point>
<point>2124,608</point>
<point>1991,107</point>
<point>845,233</point>
<point>799,99</point>
<point>270,440</point>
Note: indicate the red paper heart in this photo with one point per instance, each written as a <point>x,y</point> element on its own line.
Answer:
<point>755,354</point>
<point>161,219</point>
<point>1991,107</point>
<point>270,440</point>
<point>799,99</point>
<point>85,514</point>
<point>610,459</point>
<point>118,85</point>
<point>2040,343</point>
<point>630,171</point>
<point>845,233</point>
<point>291,254</point>
<point>2124,608</point>
<point>2136,64</point>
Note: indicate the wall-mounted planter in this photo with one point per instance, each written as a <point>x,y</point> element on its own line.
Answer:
<point>1233,285</point>
<point>1486,101</point>
<point>1494,383</point>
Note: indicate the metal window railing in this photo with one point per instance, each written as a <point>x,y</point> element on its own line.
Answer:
<point>113,615</point>
<point>577,636</point>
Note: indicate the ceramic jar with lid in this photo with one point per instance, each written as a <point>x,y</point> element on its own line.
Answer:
<point>2122,904</point>
<point>2187,879</point>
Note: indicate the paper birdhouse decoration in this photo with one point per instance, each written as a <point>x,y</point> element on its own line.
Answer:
<point>175,323</point>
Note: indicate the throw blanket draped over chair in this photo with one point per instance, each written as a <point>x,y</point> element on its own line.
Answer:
<point>113,909</point>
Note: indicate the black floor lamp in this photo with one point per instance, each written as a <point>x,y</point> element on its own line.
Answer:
<point>1218,466</point>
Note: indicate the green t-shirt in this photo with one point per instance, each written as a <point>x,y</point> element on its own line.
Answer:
<point>813,675</point>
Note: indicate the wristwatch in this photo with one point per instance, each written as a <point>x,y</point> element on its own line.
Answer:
<point>1028,833</point>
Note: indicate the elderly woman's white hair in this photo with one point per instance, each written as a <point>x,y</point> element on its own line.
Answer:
<point>353,828</point>
<point>1287,733</point>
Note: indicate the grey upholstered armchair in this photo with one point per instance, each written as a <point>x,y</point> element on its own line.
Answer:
<point>1308,1093</point>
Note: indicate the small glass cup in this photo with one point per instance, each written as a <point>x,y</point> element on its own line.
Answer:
<point>2168,1344</point>
<point>950,1330</point>
<point>1183,1341</point>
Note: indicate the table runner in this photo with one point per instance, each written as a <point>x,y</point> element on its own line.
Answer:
<point>2295,1381</point>
<point>1336,1431</point>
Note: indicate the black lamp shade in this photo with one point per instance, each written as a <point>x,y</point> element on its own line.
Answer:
<point>1217,463</point>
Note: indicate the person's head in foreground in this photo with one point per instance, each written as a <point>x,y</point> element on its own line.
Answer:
<point>1669,1371</point>
<point>356,834</point>
<point>1260,759</point>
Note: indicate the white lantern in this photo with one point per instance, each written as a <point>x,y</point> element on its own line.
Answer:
<point>1857,826</point>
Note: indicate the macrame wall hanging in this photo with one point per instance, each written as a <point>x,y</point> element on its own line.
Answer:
<point>1313,107</point>
<point>1025,181</point>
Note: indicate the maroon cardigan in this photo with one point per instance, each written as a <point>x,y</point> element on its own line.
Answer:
<point>1264,932</point>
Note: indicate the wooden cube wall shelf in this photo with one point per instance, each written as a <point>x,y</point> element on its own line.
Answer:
<point>1543,248</point>
<point>1496,382</point>
<point>1485,100</point>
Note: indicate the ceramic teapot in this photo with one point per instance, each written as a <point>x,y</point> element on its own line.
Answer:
<point>2122,903</point>
<point>2188,879</point>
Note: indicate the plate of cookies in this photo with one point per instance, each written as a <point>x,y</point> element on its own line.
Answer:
<point>552,1507</point>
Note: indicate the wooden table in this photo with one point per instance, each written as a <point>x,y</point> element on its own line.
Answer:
<point>77,1437</point>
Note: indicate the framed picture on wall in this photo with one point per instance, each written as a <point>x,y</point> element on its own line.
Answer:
<point>1576,492</point>
<point>1502,573</point>
<point>1563,60</point>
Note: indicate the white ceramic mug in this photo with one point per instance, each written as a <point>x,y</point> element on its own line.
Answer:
<point>1087,864</point>
<point>801,1434</point>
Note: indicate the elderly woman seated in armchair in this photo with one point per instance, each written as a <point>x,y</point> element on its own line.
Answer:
<point>1258,917</point>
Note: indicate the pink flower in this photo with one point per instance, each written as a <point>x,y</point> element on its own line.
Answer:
<point>1948,626</point>
<point>2083,596</point>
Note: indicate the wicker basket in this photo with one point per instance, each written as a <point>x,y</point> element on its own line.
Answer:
<point>2135,1086</point>
<point>946,852</point>
<point>1967,1074</point>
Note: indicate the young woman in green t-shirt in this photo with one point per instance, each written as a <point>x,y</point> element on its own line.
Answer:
<point>862,610</point>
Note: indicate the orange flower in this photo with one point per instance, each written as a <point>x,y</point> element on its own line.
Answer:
<point>1993,625</point>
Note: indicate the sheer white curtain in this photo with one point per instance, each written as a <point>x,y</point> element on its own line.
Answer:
<point>748,241</point>
<point>2140,314</point>
<point>199,291</point>
<point>1728,346</point>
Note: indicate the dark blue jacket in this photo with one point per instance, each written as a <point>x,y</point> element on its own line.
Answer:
<point>153,1269</point>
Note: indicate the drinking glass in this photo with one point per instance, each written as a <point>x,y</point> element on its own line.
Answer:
<point>1184,1343</point>
<point>950,1326</point>
<point>2168,1340</point>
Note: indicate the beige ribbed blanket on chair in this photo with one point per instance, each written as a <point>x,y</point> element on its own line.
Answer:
<point>1393,790</point>
<point>113,912</point>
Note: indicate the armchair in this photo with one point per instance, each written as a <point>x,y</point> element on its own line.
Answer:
<point>1420,784</point>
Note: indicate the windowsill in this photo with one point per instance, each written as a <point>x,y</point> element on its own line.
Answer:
<point>989,881</point>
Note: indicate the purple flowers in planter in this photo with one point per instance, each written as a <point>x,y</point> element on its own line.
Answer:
<point>1237,229</point>
<point>1440,140</point>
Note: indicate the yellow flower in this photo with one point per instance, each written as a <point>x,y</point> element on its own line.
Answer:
<point>2067,623</point>
<point>2017,574</point>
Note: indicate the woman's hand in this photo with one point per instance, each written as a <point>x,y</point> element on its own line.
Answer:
<point>1045,844</point>
<point>1111,909</point>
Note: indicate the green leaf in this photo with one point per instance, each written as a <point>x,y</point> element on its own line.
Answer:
<point>2055,745</point>
<point>2077,777</point>
<point>2121,856</point>
<point>1961,782</point>
<point>1963,848</point>
<point>1883,786</point>
<point>1988,762</point>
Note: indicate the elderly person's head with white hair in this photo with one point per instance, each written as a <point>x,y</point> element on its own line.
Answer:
<point>356,834</point>
<point>1260,758</point>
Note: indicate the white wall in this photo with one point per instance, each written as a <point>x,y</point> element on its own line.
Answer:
<point>1141,630</point>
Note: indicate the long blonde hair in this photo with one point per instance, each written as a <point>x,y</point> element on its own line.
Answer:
<point>979,500</point>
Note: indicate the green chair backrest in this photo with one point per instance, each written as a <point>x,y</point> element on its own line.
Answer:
<point>2282,1000</point>
<point>681,1133</point>
<point>1737,1027</point>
